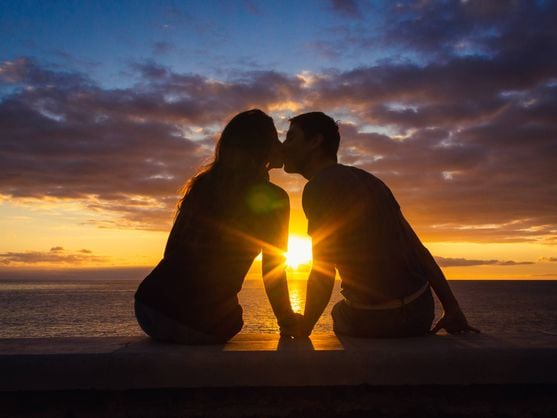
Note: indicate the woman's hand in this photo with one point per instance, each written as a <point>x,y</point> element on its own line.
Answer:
<point>292,328</point>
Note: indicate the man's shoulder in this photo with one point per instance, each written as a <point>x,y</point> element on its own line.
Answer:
<point>331,184</point>
<point>339,176</point>
<point>344,183</point>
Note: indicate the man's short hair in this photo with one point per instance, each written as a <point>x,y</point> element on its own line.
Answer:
<point>314,123</point>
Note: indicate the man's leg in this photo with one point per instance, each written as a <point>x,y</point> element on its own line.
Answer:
<point>342,320</point>
<point>410,320</point>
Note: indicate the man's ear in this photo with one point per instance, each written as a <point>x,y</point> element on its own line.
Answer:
<point>316,140</point>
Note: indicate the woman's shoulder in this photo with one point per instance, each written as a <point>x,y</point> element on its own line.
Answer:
<point>277,191</point>
<point>264,197</point>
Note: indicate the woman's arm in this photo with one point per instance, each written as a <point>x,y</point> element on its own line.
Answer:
<point>274,261</point>
<point>276,287</point>
<point>320,285</point>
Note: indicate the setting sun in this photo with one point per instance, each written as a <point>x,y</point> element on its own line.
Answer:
<point>299,251</point>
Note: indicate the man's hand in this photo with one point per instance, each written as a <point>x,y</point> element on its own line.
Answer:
<point>298,329</point>
<point>453,322</point>
<point>292,326</point>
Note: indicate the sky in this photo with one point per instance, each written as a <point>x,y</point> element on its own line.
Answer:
<point>107,108</point>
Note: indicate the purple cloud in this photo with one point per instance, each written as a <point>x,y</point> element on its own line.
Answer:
<point>56,255</point>
<point>346,8</point>
<point>463,262</point>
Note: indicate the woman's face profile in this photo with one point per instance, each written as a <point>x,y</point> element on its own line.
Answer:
<point>276,153</point>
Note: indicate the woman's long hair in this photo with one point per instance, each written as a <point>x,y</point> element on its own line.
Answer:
<point>241,154</point>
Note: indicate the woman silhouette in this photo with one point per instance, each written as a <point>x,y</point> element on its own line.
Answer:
<point>229,213</point>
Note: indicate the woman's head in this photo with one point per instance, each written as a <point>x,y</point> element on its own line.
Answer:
<point>248,142</point>
<point>246,149</point>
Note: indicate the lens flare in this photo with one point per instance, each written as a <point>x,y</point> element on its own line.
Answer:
<point>299,252</point>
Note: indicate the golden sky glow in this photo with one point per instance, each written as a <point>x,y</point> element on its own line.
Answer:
<point>60,234</point>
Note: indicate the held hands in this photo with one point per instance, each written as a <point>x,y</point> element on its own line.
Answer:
<point>454,322</point>
<point>296,327</point>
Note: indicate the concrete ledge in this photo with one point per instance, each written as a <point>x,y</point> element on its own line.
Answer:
<point>267,361</point>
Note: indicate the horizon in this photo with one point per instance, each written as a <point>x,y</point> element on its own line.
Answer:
<point>138,273</point>
<point>107,109</point>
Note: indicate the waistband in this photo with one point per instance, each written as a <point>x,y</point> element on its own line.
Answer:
<point>391,304</point>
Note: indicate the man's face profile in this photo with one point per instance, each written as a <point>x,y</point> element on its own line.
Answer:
<point>296,150</point>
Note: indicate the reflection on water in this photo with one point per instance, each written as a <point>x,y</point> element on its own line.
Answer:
<point>296,299</point>
<point>98,307</point>
<point>258,315</point>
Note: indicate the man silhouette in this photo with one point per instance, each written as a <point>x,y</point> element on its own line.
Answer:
<point>357,228</point>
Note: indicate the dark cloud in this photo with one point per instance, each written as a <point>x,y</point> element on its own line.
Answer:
<point>27,72</point>
<point>463,262</point>
<point>124,152</point>
<point>346,8</point>
<point>70,272</point>
<point>548,259</point>
<point>56,255</point>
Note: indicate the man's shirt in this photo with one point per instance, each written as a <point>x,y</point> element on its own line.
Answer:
<point>356,224</point>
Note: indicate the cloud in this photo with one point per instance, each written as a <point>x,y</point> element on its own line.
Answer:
<point>436,31</point>
<point>124,152</point>
<point>346,8</point>
<point>547,259</point>
<point>466,141</point>
<point>56,255</point>
<point>463,262</point>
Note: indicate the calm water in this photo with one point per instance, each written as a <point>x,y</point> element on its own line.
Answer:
<point>98,307</point>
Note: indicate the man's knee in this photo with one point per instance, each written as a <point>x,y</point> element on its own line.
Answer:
<point>341,321</point>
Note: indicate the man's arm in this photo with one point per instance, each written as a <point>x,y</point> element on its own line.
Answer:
<point>453,319</point>
<point>319,287</point>
<point>319,290</point>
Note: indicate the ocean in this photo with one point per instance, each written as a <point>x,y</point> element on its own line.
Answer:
<point>72,307</point>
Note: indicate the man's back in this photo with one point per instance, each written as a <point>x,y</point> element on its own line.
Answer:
<point>355,219</point>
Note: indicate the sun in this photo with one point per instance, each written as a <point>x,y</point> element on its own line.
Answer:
<point>299,251</point>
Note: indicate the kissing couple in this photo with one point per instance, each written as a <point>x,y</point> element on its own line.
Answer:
<point>230,212</point>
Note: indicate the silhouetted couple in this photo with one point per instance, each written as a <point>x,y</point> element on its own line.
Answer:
<point>230,212</point>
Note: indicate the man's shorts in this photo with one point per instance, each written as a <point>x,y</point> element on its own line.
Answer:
<point>410,320</point>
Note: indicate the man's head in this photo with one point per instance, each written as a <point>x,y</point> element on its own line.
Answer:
<point>313,137</point>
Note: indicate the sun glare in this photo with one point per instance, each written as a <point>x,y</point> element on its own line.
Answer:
<point>299,251</point>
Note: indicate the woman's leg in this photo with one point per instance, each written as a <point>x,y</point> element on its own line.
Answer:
<point>162,328</point>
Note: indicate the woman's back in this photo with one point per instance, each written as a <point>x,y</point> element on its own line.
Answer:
<point>211,247</point>
<point>229,213</point>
